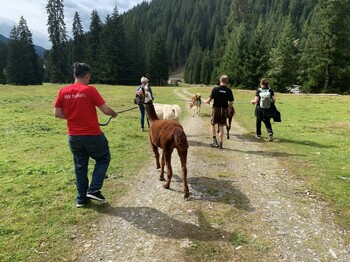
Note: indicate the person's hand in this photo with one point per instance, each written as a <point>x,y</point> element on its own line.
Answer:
<point>115,114</point>
<point>252,101</point>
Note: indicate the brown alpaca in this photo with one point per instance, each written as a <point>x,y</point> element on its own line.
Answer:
<point>167,134</point>
<point>196,102</point>
<point>230,113</point>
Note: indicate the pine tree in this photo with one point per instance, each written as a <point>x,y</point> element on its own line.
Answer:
<point>23,63</point>
<point>78,39</point>
<point>58,37</point>
<point>284,60</point>
<point>206,68</point>
<point>137,56</point>
<point>327,52</point>
<point>3,62</point>
<point>112,57</point>
<point>190,65</point>
<point>233,61</point>
<point>157,60</point>
<point>93,44</point>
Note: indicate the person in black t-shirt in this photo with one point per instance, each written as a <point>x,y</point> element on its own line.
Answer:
<point>223,97</point>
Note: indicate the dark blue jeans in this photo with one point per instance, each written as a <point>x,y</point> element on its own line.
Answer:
<point>84,147</point>
<point>142,119</point>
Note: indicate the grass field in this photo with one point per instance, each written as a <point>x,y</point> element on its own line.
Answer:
<point>38,215</point>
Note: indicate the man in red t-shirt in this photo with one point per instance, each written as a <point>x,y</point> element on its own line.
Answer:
<point>77,104</point>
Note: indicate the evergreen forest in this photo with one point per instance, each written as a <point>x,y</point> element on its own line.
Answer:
<point>291,42</point>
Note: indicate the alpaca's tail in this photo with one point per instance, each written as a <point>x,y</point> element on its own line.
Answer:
<point>180,139</point>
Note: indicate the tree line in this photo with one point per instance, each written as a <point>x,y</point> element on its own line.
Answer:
<point>292,42</point>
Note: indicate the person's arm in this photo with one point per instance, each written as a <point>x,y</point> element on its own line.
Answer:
<point>58,112</point>
<point>108,111</point>
<point>255,100</point>
<point>208,100</point>
<point>273,98</point>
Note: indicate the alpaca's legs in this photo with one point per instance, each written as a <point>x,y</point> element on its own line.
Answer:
<point>167,157</point>
<point>183,159</point>
<point>156,155</point>
<point>162,164</point>
<point>228,127</point>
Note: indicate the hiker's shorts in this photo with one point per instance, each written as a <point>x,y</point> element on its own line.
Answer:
<point>218,116</point>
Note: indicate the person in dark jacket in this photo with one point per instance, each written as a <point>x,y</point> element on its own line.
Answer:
<point>264,98</point>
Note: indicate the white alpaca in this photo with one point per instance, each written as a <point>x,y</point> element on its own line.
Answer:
<point>165,111</point>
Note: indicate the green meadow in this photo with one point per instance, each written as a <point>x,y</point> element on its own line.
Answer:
<point>39,220</point>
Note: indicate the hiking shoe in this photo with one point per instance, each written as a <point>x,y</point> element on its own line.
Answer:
<point>270,137</point>
<point>96,196</point>
<point>214,144</point>
<point>220,145</point>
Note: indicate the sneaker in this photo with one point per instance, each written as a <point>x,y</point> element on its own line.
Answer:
<point>96,196</point>
<point>258,137</point>
<point>83,203</point>
<point>270,137</point>
<point>220,145</point>
<point>214,144</point>
<point>142,130</point>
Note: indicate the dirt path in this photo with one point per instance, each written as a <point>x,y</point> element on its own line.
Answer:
<point>237,211</point>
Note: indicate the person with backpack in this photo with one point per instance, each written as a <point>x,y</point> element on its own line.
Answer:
<point>264,98</point>
<point>146,90</point>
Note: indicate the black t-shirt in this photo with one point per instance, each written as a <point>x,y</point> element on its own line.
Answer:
<point>221,95</point>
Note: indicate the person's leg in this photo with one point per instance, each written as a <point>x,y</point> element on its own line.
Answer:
<point>258,127</point>
<point>98,149</point>
<point>81,161</point>
<point>269,128</point>
<point>142,118</point>
<point>213,122</point>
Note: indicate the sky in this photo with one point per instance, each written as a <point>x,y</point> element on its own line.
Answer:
<point>34,12</point>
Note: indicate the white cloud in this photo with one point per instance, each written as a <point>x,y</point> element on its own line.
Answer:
<point>34,12</point>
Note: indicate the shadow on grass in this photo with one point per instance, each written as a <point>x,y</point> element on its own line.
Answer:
<point>305,143</point>
<point>160,224</point>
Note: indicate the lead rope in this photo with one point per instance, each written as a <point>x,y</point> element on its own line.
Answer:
<point>109,120</point>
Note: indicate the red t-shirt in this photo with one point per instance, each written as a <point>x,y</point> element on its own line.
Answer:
<point>79,103</point>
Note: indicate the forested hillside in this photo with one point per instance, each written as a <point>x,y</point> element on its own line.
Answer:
<point>303,42</point>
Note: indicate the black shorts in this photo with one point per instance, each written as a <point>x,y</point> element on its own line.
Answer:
<point>218,116</point>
